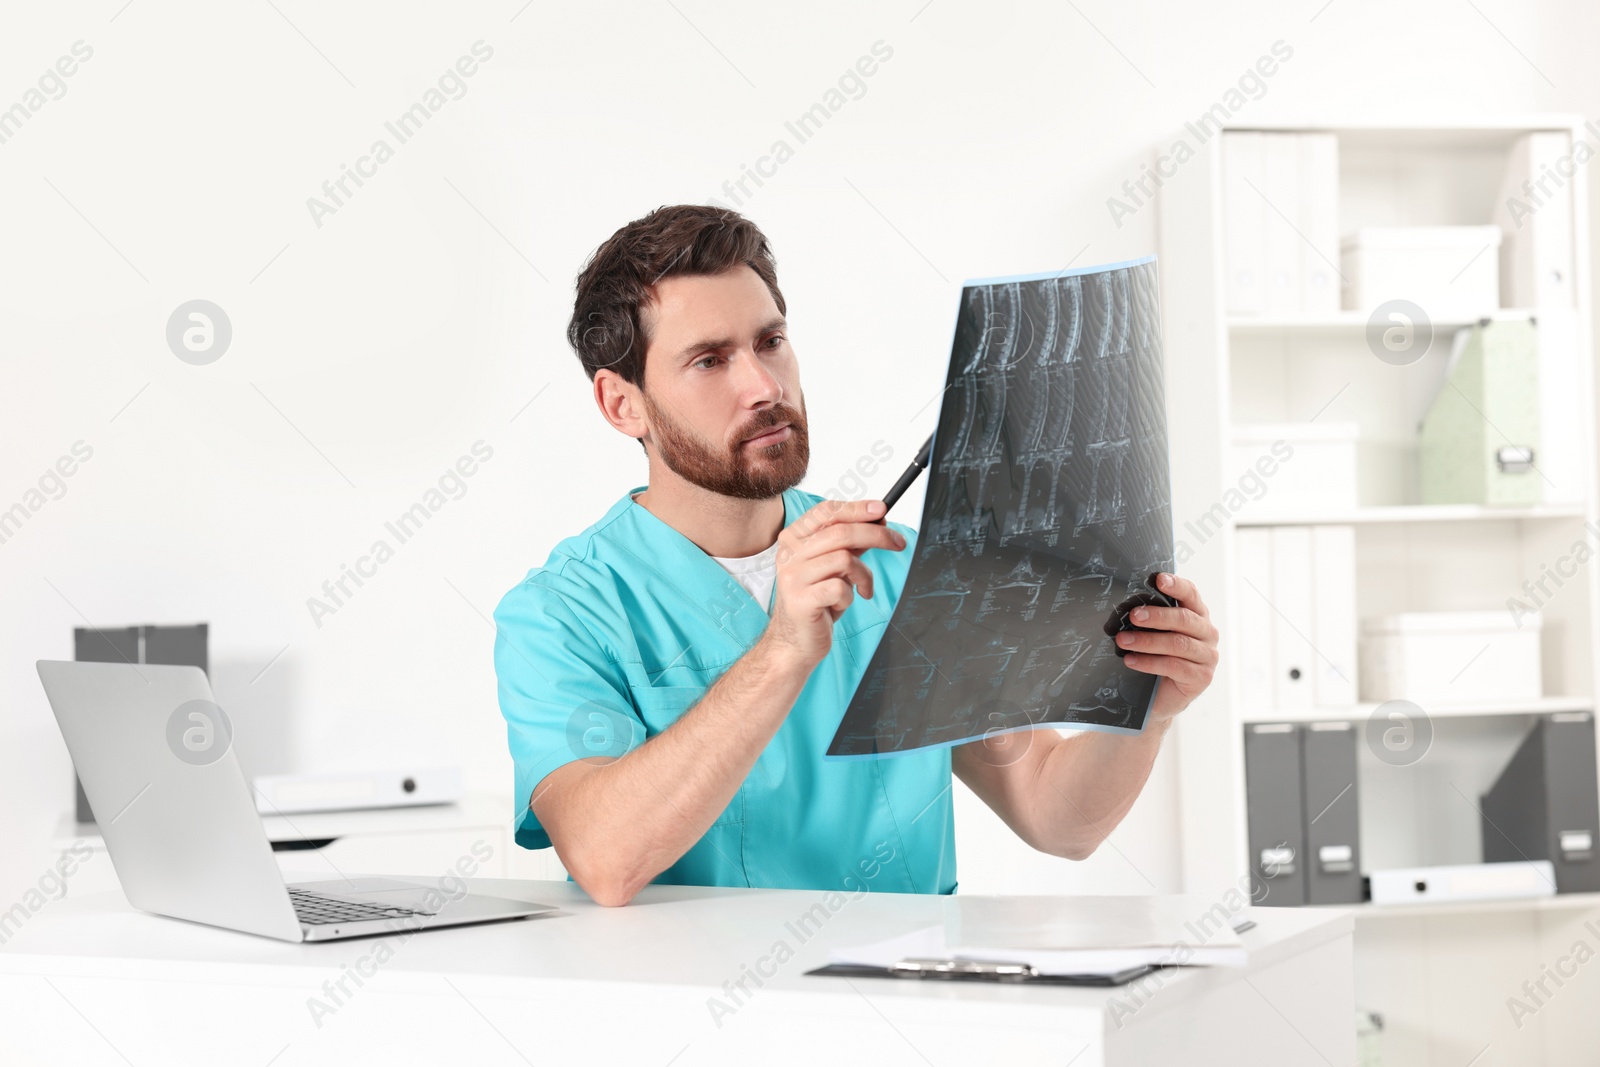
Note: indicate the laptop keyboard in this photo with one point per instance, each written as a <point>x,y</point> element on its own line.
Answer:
<point>316,910</point>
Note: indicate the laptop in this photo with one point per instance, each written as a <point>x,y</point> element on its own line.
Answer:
<point>156,760</point>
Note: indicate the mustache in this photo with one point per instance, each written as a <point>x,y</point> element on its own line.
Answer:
<point>775,417</point>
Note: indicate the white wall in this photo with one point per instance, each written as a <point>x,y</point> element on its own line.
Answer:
<point>421,317</point>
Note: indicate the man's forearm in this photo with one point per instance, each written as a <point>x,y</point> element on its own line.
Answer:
<point>1086,784</point>
<point>642,812</point>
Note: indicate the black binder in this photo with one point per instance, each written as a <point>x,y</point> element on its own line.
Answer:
<point>1333,825</point>
<point>1544,804</point>
<point>1275,811</point>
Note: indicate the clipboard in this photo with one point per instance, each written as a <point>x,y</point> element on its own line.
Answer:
<point>960,970</point>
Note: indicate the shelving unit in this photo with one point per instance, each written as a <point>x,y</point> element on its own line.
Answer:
<point>1341,322</point>
<point>1415,513</point>
<point>1439,973</point>
<point>1560,903</point>
<point>1362,711</point>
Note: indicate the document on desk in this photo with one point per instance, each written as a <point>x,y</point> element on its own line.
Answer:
<point>1048,509</point>
<point>1068,935</point>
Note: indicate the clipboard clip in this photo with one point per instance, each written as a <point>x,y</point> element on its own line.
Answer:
<point>960,968</point>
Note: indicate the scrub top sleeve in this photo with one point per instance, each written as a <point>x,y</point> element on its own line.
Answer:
<point>562,696</point>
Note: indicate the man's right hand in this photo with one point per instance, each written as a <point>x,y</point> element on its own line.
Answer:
<point>820,571</point>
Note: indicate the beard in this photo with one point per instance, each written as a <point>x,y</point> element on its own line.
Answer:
<point>741,471</point>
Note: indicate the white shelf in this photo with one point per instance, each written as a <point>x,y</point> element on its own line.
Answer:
<point>1427,909</point>
<point>1410,131</point>
<point>1354,322</point>
<point>1542,706</point>
<point>1412,513</point>
<point>475,810</point>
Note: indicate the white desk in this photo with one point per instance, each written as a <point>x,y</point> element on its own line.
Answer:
<point>87,980</point>
<point>423,840</point>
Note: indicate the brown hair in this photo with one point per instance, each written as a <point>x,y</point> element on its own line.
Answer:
<point>606,329</point>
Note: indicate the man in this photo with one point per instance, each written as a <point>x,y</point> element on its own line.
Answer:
<point>671,677</point>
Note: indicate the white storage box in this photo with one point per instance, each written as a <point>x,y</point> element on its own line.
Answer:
<point>1474,881</point>
<point>1451,657</point>
<point>1450,272</point>
<point>1292,468</point>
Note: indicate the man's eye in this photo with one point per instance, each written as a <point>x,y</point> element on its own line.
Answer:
<point>775,340</point>
<point>702,360</point>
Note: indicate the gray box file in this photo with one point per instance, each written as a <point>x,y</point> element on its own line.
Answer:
<point>1480,440</point>
<point>1333,833</point>
<point>1544,804</point>
<point>178,646</point>
<point>1275,809</point>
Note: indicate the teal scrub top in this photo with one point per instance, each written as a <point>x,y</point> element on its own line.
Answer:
<point>629,623</point>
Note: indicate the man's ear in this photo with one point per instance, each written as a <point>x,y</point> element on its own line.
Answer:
<point>621,402</point>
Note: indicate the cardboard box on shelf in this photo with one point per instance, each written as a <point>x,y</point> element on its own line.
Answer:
<point>1450,272</point>
<point>1451,657</point>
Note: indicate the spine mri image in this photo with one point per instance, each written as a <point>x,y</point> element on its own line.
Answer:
<point>1048,511</point>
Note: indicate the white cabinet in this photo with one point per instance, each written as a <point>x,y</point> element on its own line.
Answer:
<point>425,854</point>
<point>1290,587</point>
<point>422,842</point>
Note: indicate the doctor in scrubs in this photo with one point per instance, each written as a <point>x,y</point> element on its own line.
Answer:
<point>672,675</point>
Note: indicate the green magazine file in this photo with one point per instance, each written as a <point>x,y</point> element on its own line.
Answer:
<point>1480,439</point>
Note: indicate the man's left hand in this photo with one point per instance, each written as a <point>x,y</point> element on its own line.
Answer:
<point>1182,650</point>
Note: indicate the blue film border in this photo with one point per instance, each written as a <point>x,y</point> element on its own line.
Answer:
<point>1072,272</point>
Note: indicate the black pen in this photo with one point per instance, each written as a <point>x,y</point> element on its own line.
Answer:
<point>918,464</point>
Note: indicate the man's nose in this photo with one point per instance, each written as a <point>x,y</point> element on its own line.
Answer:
<point>757,383</point>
